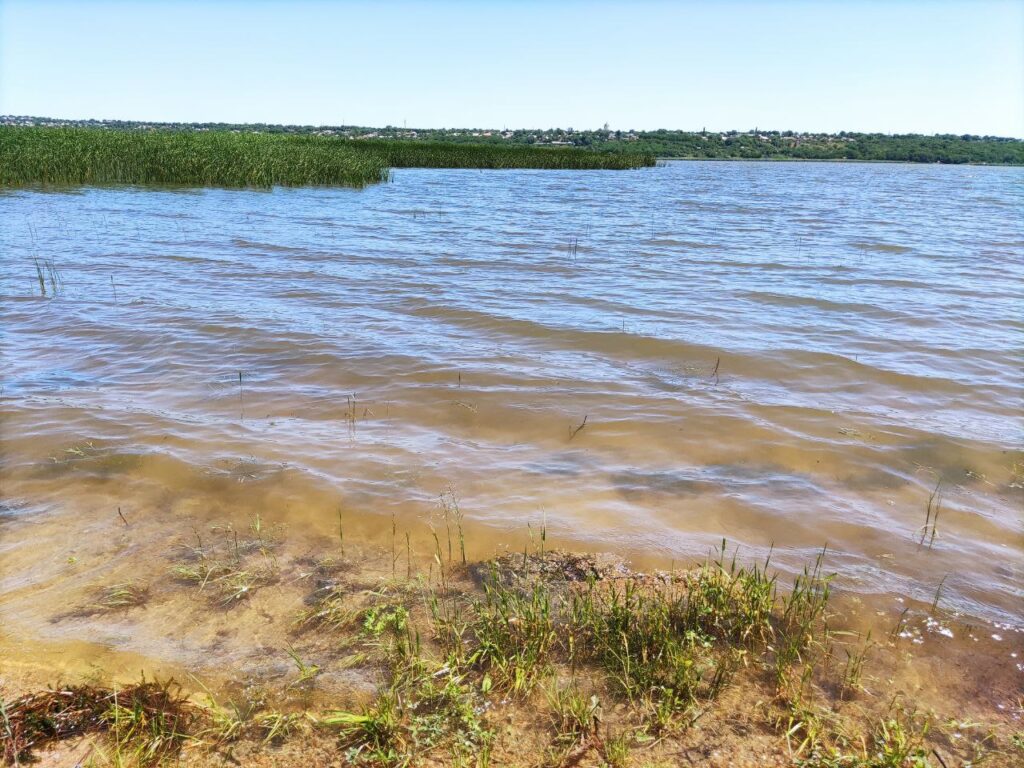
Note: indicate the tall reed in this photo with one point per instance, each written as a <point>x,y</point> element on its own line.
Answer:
<point>85,156</point>
<point>74,156</point>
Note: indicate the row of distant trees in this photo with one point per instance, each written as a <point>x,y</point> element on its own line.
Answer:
<point>845,146</point>
<point>755,144</point>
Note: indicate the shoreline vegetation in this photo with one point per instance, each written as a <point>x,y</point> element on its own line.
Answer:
<point>756,144</point>
<point>88,156</point>
<point>537,658</point>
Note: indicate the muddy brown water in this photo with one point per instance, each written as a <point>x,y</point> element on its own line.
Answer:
<point>784,356</point>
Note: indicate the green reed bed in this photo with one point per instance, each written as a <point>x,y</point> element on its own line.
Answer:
<point>82,156</point>
<point>72,156</point>
<point>423,154</point>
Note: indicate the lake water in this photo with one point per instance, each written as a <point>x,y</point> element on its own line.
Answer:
<point>786,356</point>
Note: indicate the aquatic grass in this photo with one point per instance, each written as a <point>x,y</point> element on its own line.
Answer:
<point>149,722</point>
<point>46,271</point>
<point>448,501</point>
<point>931,519</point>
<point>854,668</point>
<point>232,567</point>
<point>330,612</point>
<point>145,723</point>
<point>76,156</point>
<point>376,729</point>
<point>417,714</point>
<point>249,718</point>
<point>803,627</point>
<point>895,740</point>
<point>275,727</point>
<point>307,672</point>
<point>426,154</point>
<point>83,156</point>
<point>387,627</point>
<point>120,596</point>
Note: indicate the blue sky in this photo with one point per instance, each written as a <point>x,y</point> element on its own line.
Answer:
<point>868,65</point>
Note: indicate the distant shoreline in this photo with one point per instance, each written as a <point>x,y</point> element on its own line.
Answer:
<point>756,144</point>
<point>843,160</point>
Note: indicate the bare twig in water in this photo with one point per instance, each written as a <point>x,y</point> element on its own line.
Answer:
<point>714,373</point>
<point>123,518</point>
<point>580,427</point>
<point>241,403</point>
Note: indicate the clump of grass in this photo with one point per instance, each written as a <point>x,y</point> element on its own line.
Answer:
<point>249,718</point>
<point>387,629</point>
<point>373,734</point>
<point>633,632</point>
<point>149,722</point>
<point>444,710</point>
<point>574,715</point>
<point>417,714</point>
<point>275,727</point>
<point>669,643</point>
<point>1017,742</point>
<point>330,612</point>
<point>145,723</point>
<point>896,740</point>
<point>230,567</point>
<point>85,450</point>
<point>854,668</point>
<point>449,504</point>
<point>802,627</point>
<point>615,749</point>
<point>229,583</point>
<point>56,279</point>
<point>372,627</point>
<point>307,672</point>
<point>514,630</point>
<point>117,597</point>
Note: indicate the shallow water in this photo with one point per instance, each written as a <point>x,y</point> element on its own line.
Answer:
<point>786,356</point>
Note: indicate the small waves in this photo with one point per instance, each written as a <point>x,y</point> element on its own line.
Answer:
<point>777,355</point>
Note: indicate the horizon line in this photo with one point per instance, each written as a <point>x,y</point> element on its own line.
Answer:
<point>756,129</point>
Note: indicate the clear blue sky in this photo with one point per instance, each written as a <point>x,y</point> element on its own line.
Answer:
<point>867,65</point>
